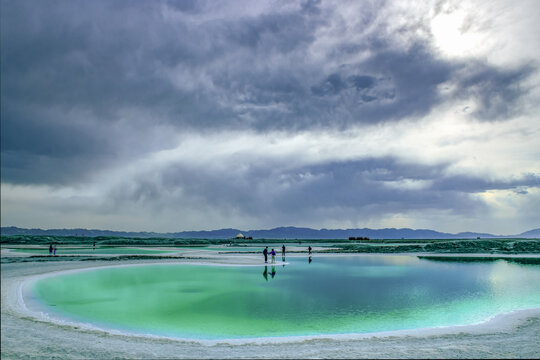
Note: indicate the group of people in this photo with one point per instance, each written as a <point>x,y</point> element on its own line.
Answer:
<point>273,254</point>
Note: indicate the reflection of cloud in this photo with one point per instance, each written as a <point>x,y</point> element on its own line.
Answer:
<point>510,281</point>
<point>501,274</point>
<point>398,260</point>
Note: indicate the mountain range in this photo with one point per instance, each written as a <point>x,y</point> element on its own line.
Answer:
<point>289,232</point>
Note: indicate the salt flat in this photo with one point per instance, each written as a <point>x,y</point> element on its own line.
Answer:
<point>25,335</point>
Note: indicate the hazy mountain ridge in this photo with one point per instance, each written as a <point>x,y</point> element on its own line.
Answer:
<point>535,233</point>
<point>275,233</point>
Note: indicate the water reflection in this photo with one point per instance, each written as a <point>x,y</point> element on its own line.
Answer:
<point>272,272</point>
<point>309,260</point>
<point>346,294</point>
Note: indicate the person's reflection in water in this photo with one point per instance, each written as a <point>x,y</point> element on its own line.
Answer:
<point>309,260</point>
<point>265,272</point>
<point>273,273</point>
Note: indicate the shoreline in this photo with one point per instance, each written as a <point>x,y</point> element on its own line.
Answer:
<point>501,326</point>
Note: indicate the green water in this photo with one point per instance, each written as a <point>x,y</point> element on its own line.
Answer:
<point>222,248</point>
<point>97,251</point>
<point>350,294</point>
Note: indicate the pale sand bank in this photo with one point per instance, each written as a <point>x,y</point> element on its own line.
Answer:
<point>512,335</point>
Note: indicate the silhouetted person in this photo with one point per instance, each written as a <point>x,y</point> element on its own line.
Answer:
<point>50,249</point>
<point>94,245</point>
<point>309,250</point>
<point>54,250</point>
<point>265,253</point>
<point>265,272</point>
<point>273,273</point>
<point>283,251</point>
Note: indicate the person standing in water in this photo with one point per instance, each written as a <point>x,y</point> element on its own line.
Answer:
<point>54,250</point>
<point>50,249</point>
<point>273,256</point>
<point>283,250</point>
<point>265,253</point>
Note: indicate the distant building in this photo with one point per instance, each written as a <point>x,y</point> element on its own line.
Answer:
<point>240,236</point>
<point>358,238</point>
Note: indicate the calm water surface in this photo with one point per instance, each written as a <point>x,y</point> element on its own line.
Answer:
<point>96,251</point>
<point>329,295</point>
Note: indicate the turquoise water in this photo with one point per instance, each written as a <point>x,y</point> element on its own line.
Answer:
<point>329,295</point>
<point>97,251</point>
<point>222,248</point>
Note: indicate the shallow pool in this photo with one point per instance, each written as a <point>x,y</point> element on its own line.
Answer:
<point>329,295</point>
<point>90,250</point>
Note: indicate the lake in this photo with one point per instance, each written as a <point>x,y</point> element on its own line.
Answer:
<point>329,295</point>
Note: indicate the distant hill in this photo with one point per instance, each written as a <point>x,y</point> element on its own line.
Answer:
<point>290,232</point>
<point>535,233</point>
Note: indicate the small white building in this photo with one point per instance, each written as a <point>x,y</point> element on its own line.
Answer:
<point>240,236</point>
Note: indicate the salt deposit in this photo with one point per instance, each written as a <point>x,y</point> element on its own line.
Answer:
<point>25,335</point>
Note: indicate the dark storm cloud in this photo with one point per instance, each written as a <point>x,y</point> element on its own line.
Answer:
<point>389,86</point>
<point>353,189</point>
<point>84,81</point>
<point>368,184</point>
<point>472,184</point>
<point>497,91</point>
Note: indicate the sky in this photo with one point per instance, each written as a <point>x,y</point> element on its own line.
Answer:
<point>196,115</point>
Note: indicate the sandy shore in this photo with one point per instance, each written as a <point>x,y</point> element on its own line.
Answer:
<point>23,335</point>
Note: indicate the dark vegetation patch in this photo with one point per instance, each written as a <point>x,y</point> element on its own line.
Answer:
<point>473,259</point>
<point>491,246</point>
<point>113,241</point>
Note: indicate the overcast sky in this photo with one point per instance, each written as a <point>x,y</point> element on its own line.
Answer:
<point>194,115</point>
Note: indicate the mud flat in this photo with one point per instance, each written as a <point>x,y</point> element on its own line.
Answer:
<point>24,335</point>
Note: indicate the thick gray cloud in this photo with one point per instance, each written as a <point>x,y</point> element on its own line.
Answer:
<point>355,189</point>
<point>90,86</point>
<point>103,59</point>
